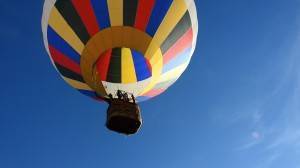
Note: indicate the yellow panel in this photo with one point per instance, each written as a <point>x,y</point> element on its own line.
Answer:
<point>61,27</point>
<point>175,13</point>
<point>77,84</point>
<point>128,71</point>
<point>156,71</point>
<point>115,8</point>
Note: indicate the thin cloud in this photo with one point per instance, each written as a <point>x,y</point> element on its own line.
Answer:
<point>248,146</point>
<point>290,135</point>
<point>254,139</point>
<point>256,135</point>
<point>269,162</point>
<point>277,137</point>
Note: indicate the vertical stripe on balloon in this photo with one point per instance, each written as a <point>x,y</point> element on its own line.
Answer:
<point>103,64</point>
<point>67,10</point>
<point>115,12</point>
<point>129,12</point>
<point>114,71</point>
<point>86,12</point>
<point>158,14</point>
<point>128,71</point>
<point>101,12</point>
<point>141,68</point>
<point>143,13</point>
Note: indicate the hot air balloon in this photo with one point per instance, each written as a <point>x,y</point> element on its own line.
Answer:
<point>120,51</point>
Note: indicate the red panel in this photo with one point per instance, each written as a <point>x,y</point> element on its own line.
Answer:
<point>86,13</point>
<point>103,64</point>
<point>179,46</point>
<point>149,65</point>
<point>64,61</point>
<point>153,93</point>
<point>143,13</point>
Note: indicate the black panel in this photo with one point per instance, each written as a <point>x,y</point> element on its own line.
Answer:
<point>67,10</point>
<point>68,73</point>
<point>114,70</point>
<point>182,26</point>
<point>129,12</point>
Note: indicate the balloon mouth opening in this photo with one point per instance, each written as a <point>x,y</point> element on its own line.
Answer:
<point>130,66</point>
<point>123,117</point>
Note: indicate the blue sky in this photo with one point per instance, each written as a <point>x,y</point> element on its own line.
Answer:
<point>237,105</point>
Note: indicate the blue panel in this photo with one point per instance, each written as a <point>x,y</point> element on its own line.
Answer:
<point>141,68</point>
<point>60,44</point>
<point>142,98</point>
<point>178,60</point>
<point>88,93</point>
<point>101,12</point>
<point>158,14</point>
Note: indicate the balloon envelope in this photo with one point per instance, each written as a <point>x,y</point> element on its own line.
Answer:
<point>138,46</point>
